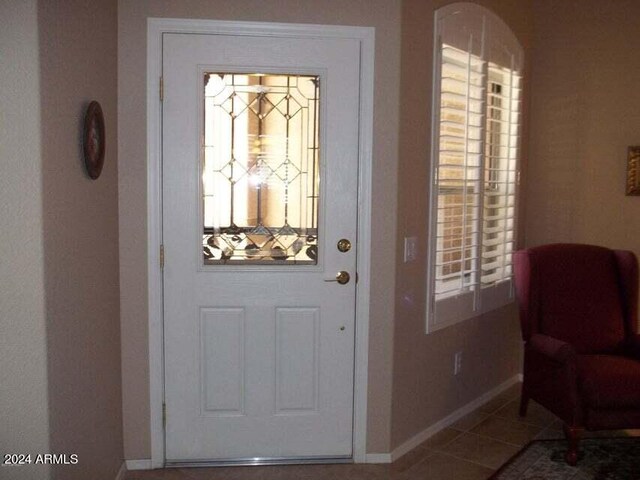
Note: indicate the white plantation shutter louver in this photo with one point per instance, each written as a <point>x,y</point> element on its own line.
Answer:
<point>477,98</point>
<point>501,159</point>
<point>458,174</point>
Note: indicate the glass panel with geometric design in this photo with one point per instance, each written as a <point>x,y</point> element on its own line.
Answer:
<point>260,169</point>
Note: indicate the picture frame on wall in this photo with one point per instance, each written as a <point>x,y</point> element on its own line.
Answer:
<point>633,170</point>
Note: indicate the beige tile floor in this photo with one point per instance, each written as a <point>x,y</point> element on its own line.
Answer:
<point>470,449</point>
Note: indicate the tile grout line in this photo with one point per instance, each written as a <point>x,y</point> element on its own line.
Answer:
<point>489,437</point>
<point>468,461</point>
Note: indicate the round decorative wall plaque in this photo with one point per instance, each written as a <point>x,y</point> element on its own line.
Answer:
<point>93,140</point>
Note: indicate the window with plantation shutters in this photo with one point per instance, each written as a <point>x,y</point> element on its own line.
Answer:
<point>476,137</point>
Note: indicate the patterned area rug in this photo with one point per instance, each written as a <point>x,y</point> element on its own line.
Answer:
<point>600,459</point>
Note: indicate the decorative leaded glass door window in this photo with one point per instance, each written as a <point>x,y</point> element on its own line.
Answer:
<point>260,168</point>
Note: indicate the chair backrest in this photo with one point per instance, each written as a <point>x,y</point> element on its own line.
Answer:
<point>578,294</point>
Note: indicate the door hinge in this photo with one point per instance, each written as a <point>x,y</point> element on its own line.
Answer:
<point>161,88</point>
<point>161,256</point>
<point>164,414</point>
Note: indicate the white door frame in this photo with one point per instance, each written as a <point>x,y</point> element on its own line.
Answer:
<point>156,27</point>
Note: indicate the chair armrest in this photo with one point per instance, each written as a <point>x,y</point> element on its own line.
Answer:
<point>633,346</point>
<point>552,348</point>
<point>550,376</point>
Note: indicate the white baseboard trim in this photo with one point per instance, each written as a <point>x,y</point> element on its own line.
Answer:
<point>416,440</point>
<point>122,471</point>
<point>378,458</point>
<point>413,442</point>
<point>144,464</point>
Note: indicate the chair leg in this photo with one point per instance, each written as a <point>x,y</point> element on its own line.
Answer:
<point>524,403</point>
<point>573,435</point>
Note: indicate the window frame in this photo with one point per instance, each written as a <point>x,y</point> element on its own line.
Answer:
<point>469,302</point>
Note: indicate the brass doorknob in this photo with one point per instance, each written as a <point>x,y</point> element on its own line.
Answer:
<point>342,278</point>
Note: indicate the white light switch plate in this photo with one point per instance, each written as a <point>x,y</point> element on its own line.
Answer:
<point>410,249</point>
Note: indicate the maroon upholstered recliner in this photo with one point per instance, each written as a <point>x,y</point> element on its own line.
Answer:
<point>579,318</point>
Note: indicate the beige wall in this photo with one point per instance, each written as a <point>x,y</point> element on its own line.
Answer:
<point>78,63</point>
<point>424,388</point>
<point>59,306</point>
<point>23,376</point>
<point>585,113</point>
<point>382,14</point>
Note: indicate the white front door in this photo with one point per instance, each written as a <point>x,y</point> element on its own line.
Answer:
<point>260,160</point>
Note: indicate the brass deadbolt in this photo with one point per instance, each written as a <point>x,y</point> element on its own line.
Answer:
<point>344,245</point>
